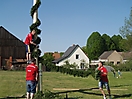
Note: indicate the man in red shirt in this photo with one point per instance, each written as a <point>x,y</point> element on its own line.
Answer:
<point>31,78</point>
<point>103,80</point>
<point>28,41</point>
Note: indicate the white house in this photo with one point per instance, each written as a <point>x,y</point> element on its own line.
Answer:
<point>74,55</point>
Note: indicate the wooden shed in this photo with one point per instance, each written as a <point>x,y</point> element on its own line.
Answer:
<point>10,47</point>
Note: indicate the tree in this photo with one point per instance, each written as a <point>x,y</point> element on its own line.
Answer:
<point>110,45</point>
<point>126,31</point>
<point>84,49</point>
<point>95,45</point>
<point>117,39</point>
<point>47,59</point>
<point>61,53</point>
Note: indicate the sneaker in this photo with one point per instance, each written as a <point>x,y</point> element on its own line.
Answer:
<point>104,97</point>
<point>29,62</point>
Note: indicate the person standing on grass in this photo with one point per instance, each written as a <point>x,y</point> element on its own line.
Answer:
<point>28,42</point>
<point>119,73</point>
<point>103,81</point>
<point>31,79</point>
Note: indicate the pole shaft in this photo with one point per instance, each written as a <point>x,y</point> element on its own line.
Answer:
<point>40,77</point>
<point>35,15</point>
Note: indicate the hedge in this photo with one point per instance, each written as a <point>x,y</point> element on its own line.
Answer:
<point>74,72</point>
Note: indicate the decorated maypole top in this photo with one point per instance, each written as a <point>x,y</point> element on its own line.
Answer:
<point>36,23</point>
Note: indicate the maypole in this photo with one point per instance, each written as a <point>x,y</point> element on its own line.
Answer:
<point>34,26</point>
<point>36,22</point>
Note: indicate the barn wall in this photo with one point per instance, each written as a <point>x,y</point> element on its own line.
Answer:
<point>11,46</point>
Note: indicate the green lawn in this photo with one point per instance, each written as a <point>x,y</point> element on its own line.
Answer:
<point>13,84</point>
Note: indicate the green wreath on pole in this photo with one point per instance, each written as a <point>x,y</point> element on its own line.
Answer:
<point>35,51</point>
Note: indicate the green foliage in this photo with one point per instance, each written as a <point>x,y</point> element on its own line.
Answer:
<point>38,40</point>
<point>117,39</point>
<point>35,7</point>
<point>61,53</point>
<point>109,44</point>
<point>127,66</point>
<point>124,67</point>
<point>47,59</point>
<point>95,45</point>
<point>126,32</point>
<point>35,51</point>
<point>74,72</point>
<point>84,49</point>
<point>68,65</point>
<point>35,25</point>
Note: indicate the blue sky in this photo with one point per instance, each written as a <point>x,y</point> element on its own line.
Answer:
<point>65,22</point>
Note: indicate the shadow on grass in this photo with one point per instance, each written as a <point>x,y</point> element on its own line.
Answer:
<point>122,96</point>
<point>79,90</point>
<point>23,96</point>
<point>89,91</point>
<point>122,85</point>
<point>73,97</point>
<point>84,91</point>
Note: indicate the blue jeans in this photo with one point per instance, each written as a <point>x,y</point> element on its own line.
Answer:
<point>31,86</point>
<point>106,84</point>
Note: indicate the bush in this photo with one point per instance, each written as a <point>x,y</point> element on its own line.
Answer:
<point>74,72</point>
<point>124,67</point>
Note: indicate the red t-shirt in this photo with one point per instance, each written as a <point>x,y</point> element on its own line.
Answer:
<point>31,71</point>
<point>28,39</point>
<point>103,76</point>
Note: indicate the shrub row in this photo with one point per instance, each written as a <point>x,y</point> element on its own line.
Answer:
<point>74,72</point>
<point>127,66</point>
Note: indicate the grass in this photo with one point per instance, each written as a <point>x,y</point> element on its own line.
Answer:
<point>13,84</point>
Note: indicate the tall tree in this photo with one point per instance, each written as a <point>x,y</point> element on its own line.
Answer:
<point>109,44</point>
<point>95,45</point>
<point>117,39</point>
<point>126,31</point>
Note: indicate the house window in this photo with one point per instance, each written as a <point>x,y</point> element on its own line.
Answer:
<point>118,62</point>
<point>82,65</point>
<point>77,56</point>
<point>112,63</point>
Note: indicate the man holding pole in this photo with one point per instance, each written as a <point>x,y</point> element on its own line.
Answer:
<point>31,79</point>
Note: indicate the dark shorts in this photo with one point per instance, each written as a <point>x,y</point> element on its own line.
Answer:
<point>27,48</point>
<point>31,86</point>
<point>106,84</point>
